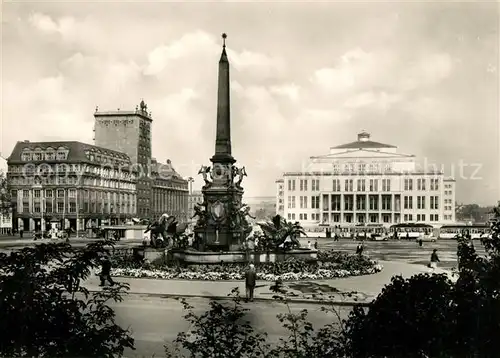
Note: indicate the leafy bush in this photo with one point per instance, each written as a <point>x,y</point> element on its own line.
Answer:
<point>223,332</point>
<point>220,332</point>
<point>44,311</point>
<point>431,316</point>
<point>416,315</point>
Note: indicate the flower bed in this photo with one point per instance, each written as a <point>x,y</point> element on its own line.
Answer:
<point>331,265</point>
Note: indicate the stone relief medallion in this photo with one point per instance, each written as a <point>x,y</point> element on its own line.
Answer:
<point>218,210</point>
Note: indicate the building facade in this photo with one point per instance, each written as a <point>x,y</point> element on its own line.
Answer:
<point>169,190</point>
<point>69,185</point>
<point>5,204</point>
<point>195,197</point>
<point>366,182</point>
<point>129,132</point>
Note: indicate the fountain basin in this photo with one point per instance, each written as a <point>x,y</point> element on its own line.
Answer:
<point>206,257</point>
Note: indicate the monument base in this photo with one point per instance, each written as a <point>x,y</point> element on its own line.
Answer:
<point>222,257</point>
<point>223,239</point>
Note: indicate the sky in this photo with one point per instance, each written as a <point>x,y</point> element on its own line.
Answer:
<point>304,77</point>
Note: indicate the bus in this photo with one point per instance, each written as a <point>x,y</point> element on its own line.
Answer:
<point>476,231</point>
<point>413,231</point>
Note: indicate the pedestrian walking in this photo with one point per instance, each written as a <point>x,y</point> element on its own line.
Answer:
<point>106,271</point>
<point>309,245</point>
<point>21,232</point>
<point>250,280</point>
<point>316,244</point>
<point>434,260</point>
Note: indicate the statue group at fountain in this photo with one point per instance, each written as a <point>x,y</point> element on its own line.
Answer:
<point>227,174</point>
<point>167,232</point>
<point>228,177</point>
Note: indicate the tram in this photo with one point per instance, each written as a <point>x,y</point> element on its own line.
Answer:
<point>412,231</point>
<point>475,231</point>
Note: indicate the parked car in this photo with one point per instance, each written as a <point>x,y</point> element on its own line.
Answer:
<point>427,238</point>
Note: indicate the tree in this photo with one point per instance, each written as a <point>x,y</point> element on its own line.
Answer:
<point>44,310</point>
<point>428,315</point>
<point>5,197</point>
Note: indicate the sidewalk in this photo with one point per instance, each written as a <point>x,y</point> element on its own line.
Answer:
<point>317,291</point>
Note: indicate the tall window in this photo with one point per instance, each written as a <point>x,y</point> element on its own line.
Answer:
<point>360,185</point>
<point>434,203</point>
<point>293,202</point>
<point>408,184</point>
<point>420,202</point>
<point>349,186</point>
<point>434,185</point>
<point>336,184</point>
<point>314,202</point>
<point>373,184</point>
<point>315,185</point>
<point>303,184</point>
<point>408,202</point>
<point>386,185</point>
<point>373,202</point>
<point>421,184</point>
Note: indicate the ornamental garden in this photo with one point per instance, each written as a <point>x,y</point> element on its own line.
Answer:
<point>277,235</point>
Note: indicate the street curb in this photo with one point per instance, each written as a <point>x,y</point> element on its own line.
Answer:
<point>256,299</point>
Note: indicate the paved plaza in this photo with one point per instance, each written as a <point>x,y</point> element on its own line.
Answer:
<point>156,321</point>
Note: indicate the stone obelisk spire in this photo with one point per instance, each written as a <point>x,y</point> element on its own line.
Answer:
<point>223,135</point>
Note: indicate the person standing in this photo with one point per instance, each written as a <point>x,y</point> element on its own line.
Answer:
<point>316,244</point>
<point>359,249</point>
<point>434,260</point>
<point>250,280</point>
<point>309,244</point>
<point>106,271</point>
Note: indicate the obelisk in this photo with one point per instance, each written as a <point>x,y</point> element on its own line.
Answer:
<point>223,132</point>
<point>222,228</point>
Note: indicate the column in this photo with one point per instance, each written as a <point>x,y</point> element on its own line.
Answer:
<point>342,208</point>
<point>354,208</point>
<point>379,208</point>
<point>393,208</point>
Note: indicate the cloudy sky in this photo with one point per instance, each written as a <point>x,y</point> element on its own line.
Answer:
<point>305,76</point>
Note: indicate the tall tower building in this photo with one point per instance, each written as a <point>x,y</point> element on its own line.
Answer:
<point>129,132</point>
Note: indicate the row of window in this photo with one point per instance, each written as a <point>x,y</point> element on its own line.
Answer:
<point>421,217</point>
<point>72,193</point>
<point>95,182</point>
<point>360,218</point>
<point>421,202</point>
<point>363,184</point>
<point>362,167</point>
<point>46,169</point>
<point>334,203</point>
<point>448,192</point>
<point>84,208</point>
<point>48,154</point>
<point>373,185</point>
<point>421,184</point>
